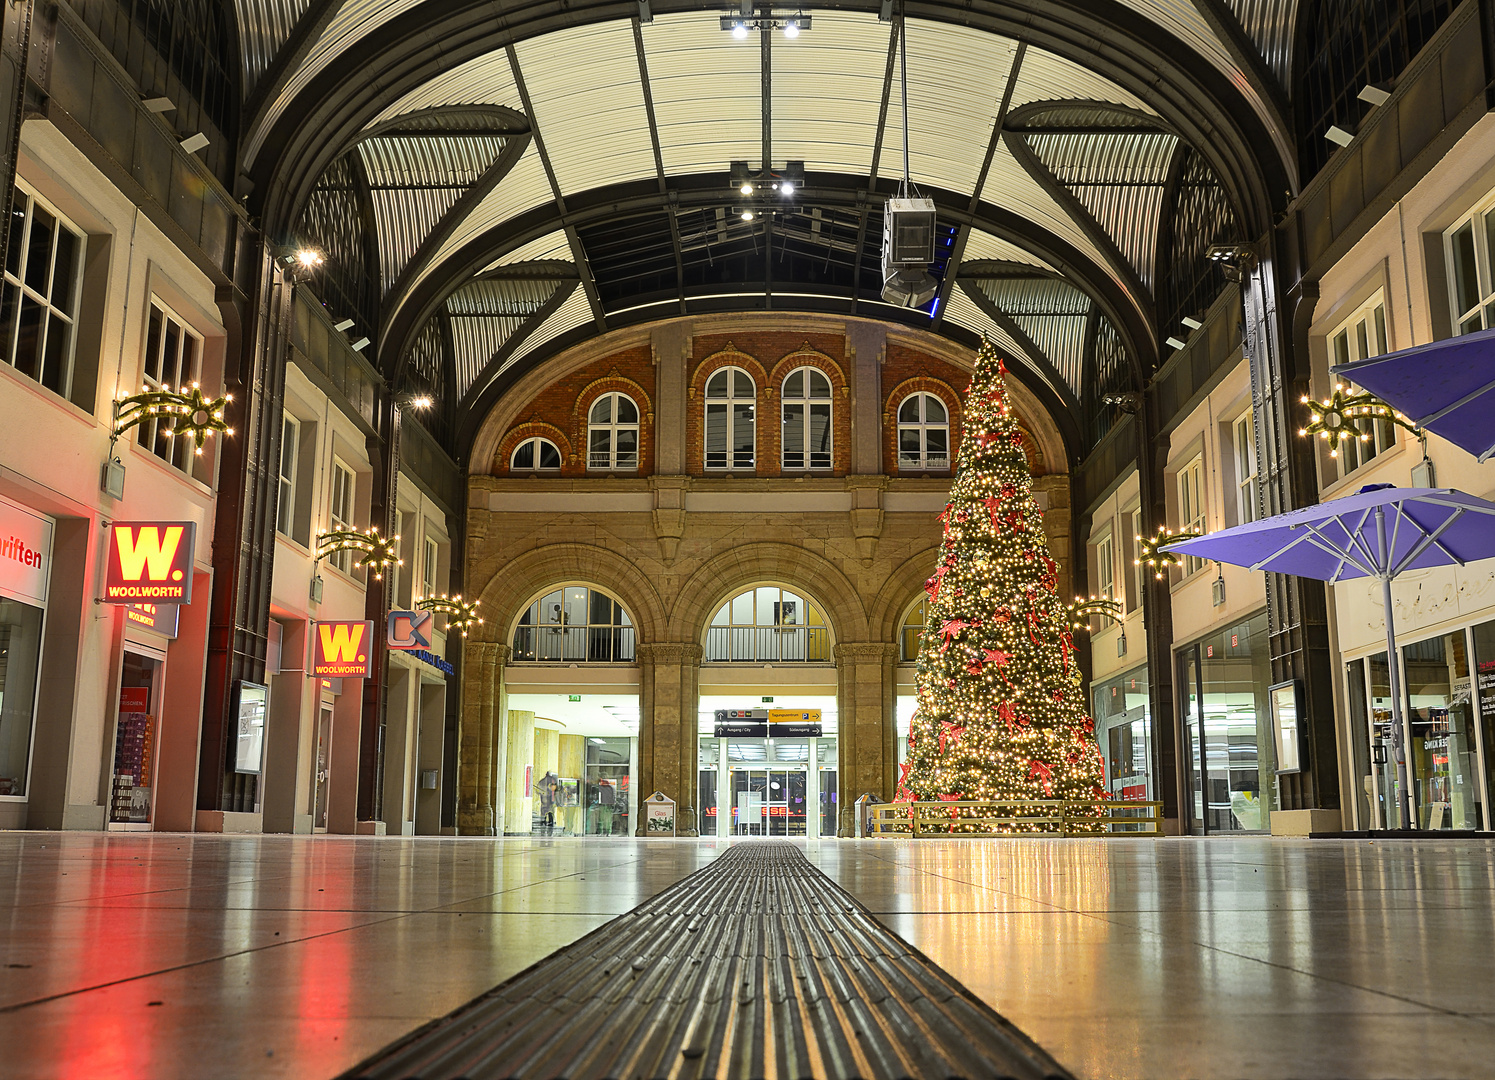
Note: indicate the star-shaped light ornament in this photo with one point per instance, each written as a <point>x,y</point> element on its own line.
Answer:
<point>1149,555</point>
<point>460,614</point>
<point>1348,416</point>
<point>1081,610</point>
<point>376,552</point>
<point>188,412</point>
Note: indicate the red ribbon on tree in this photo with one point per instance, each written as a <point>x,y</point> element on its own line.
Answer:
<point>1043,773</point>
<point>950,730</point>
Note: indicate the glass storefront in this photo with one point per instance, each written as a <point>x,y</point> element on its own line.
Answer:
<point>20,658</point>
<point>604,788</point>
<point>1223,708</point>
<point>1123,727</point>
<point>767,787</point>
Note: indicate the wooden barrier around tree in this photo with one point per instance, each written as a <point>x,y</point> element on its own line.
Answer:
<point>1036,817</point>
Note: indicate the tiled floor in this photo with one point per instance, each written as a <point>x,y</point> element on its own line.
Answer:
<point>166,956</point>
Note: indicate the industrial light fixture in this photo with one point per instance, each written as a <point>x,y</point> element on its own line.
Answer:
<point>1339,136</point>
<point>767,190</point>
<point>908,225</point>
<point>747,19</point>
<point>1191,322</point>
<point>342,324</point>
<point>159,104</point>
<point>746,188</point>
<point>747,215</point>
<point>1374,94</point>
<point>193,143</point>
<point>1175,342</point>
<point>361,344</point>
<point>1234,259</point>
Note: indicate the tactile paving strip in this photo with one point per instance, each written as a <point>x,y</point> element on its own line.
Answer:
<point>758,966</point>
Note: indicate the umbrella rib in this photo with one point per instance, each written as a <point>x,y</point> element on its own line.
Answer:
<point>1465,400</point>
<point>1430,539</point>
<point>1328,547</point>
<point>1283,550</point>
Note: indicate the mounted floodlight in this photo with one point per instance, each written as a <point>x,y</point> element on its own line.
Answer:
<point>746,188</point>
<point>361,344</point>
<point>343,324</point>
<point>747,215</point>
<point>1191,322</point>
<point>1339,136</point>
<point>791,28</point>
<point>1175,342</point>
<point>739,30</point>
<point>193,143</point>
<point>1374,94</point>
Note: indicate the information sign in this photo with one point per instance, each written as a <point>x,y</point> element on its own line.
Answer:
<point>341,649</point>
<point>150,561</point>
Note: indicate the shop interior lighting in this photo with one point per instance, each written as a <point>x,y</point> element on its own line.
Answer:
<point>460,614</point>
<point>376,552</point>
<point>186,409</point>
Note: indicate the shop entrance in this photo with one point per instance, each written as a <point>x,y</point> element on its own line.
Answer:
<point>779,785</point>
<point>323,767</point>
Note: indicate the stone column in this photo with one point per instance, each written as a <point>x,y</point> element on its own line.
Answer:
<point>519,748</point>
<point>669,698</point>
<point>867,737</point>
<point>478,744</point>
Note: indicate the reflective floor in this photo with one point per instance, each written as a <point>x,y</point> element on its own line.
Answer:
<point>166,956</point>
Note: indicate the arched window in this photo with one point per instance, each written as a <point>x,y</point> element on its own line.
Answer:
<point>768,625</point>
<point>912,631</point>
<point>923,434</point>
<point>612,433</point>
<point>535,455</point>
<point>731,400</point>
<point>807,419</point>
<point>574,624</point>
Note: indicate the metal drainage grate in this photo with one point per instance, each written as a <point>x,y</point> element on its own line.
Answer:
<point>756,966</point>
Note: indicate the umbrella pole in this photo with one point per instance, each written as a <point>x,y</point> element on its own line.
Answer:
<point>1398,740</point>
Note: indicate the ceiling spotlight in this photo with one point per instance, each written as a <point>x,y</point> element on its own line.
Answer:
<point>309,258</point>
<point>747,215</point>
<point>791,28</point>
<point>739,30</point>
<point>786,187</point>
<point>422,402</point>
<point>746,189</point>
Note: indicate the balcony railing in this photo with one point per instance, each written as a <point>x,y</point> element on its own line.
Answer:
<point>768,644</point>
<point>574,644</point>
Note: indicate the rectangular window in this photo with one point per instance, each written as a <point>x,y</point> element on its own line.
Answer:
<point>1191,506</point>
<point>1469,246</point>
<point>43,277</point>
<point>1245,468</point>
<point>1105,566</point>
<point>290,444</point>
<point>1360,337</point>
<point>173,359</point>
<point>1134,601</point>
<point>428,568</point>
<point>342,510</point>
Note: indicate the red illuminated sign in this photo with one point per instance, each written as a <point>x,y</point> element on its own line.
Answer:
<point>150,562</point>
<point>341,650</point>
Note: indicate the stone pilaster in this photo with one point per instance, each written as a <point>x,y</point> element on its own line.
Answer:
<point>865,702</point>
<point>478,744</point>
<point>669,699</point>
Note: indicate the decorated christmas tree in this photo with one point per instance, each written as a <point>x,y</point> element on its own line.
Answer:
<point>1001,709</point>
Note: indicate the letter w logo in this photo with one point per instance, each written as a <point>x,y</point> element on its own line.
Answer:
<point>340,642</point>
<point>147,549</point>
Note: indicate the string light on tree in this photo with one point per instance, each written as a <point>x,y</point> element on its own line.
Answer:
<point>1149,551</point>
<point>460,614</point>
<point>376,552</point>
<point>1001,706</point>
<point>1340,416</point>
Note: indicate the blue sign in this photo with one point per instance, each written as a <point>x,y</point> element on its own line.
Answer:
<point>435,661</point>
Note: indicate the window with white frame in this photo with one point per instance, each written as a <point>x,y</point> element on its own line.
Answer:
<point>731,406</point>
<point>173,361</point>
<point>428,567</point>
<point>612,433</point>
<point>1105,567</point>
<point>1469,246</point>
<point>394,571</point>
<point>290,446</point>
<point>1244,447</point>
<point>1360,337</point>
<point>1191,506</point>
<point>535,455</point>
<point>807,419</point>
<point>923,434</point>
<point>341,510</point>
<point>1138,581</point>
<point>43,277</point>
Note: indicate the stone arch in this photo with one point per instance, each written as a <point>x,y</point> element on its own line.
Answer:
<point>510,586</point>
<point>728,573</point>
<point>529,429</point>
<point>939,388</point>
<point>899,591</point>
<point>695,420</point>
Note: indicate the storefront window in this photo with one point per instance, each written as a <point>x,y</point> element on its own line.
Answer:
<point>1362,779</point>
<point>1123,726</point>
<point>20,654</point>
<point>1442,754</point>
<point>1224,707</point>
<point>605,787</point>
<point>1484,657</point>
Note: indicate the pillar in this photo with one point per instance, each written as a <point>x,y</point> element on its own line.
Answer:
<point>402,705</point>
<point>518,805</point>
<point>572,763</point>
<point>479,747</point>
<point>867,737</point>
<point>669,700</point>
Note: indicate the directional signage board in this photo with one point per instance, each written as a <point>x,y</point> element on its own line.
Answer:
<point>342,650</point>
<point>150,562</point>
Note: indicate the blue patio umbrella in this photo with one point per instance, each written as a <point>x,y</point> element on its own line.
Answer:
<point>1447,387</point>
<point>1379,531</point>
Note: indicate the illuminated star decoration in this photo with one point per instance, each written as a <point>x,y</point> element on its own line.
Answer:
<point>189,413</point>
<point>1149,551</point>
<point>460,614</point>
<point>375,552</point>
<point>1080,611</point>
<point>1340,417</point>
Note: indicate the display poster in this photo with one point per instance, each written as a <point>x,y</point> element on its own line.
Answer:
<point>158,618</point>
<point>529,781</point>
<point>249,747</point>
<point>133,737</point>
<point>659,815</point>
<point>150,561</point>
<point>25,553</point>
<point>341,649</point>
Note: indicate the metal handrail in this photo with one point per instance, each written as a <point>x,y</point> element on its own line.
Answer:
<point>1017,817</point>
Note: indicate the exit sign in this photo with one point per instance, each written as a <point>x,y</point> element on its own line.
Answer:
<point>574,697</point>
<point>768,701</point>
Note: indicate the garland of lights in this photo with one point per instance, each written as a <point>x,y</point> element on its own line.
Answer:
<point>1338,418</point>
<point>188,410</point>
<point>376,552</point>
<point>1080,611</point>
<point>460,614</point>
<point>1001,711</point>
<point>1150,553</point>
